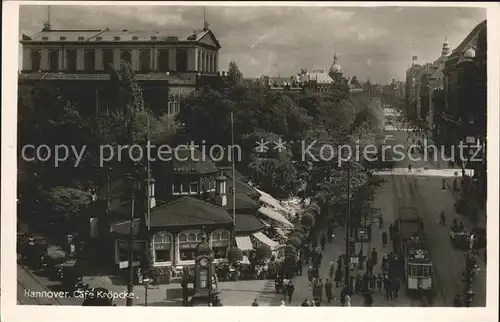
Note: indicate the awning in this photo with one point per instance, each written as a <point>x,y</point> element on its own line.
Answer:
<point>275,216</point>
<point>269,200</point>
<point>244,243</point>
<point>266,240</point>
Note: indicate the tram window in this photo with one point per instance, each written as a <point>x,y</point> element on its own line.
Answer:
<point>420,270</point>
<point>413,270</point>
<point>427,271</point>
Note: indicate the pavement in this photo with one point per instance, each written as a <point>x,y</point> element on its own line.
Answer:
<point>428,197</point>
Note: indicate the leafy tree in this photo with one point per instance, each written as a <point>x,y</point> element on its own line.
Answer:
<point>68,202</point>
<point>295,241</point>
<point>263,252</point>
<point>307,219</point>
<point>275,176</point>
<point>234,75</point>
<point>235,255</point>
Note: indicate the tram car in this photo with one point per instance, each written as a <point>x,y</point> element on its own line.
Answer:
<point>418,268</point>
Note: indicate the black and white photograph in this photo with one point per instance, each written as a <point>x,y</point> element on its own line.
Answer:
<point>202,155</point>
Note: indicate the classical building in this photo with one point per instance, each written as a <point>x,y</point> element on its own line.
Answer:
<point>83,62</point>
<point>461,107</point>
<point>335,71</point>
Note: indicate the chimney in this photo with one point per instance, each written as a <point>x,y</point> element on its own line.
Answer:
<point>150,192</point>
<point>221,190</point>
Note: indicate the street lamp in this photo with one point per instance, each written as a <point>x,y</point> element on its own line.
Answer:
<point>146,282</point>
<point>134,186</point>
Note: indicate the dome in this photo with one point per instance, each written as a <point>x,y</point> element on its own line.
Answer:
<point>335,68</point>
<point>470,53</point>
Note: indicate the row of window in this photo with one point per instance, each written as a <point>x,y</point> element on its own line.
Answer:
<point>420,270</point>
<point>206,61</point>
<point>163,250</point>
<point>190,188</point>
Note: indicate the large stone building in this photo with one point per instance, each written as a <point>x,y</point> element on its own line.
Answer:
<point>461,107</point>
<point>82,62</point>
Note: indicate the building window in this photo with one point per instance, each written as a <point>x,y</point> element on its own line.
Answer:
<point>107,58</point>
<point>62,38</point>
<point>154,38</point>
<point>193,187</point>
<point>45,38</point>
<point>71,59</point>
<point>126,56</point>
<point>145,60</point>
<point>187,246</point>
<point>176,188</point>
<point>135,38</point>
<point>117,38</point>
<point>81,38</point>
<point>54,60</point>
<point>98,38</point>
<point>138,250</point>
<point>163,60</point>
<point>162,246</point>
<point>36,60</point>
<point>172,107</point>
<point>181,61</point>
<point>89,60</point>
<point>220,243</point>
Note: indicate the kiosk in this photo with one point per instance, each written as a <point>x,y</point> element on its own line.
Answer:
<point>205,281</point>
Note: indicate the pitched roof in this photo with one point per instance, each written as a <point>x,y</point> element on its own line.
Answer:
<point>243,201</point>
<point>190,160</point>
<point>124,35</point>
<point>189,211</point>
<point>247,223</point>
<point>470,37</point>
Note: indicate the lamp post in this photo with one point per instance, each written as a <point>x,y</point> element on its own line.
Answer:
<point>348,232</point>
<point>133,184</point>
<point>146,282</point>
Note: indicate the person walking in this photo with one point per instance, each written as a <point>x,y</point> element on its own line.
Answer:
<point>319,289</point>
<point>347,300</point>
<point>255,302</point>
<point>395,285</point>
<point>442,218</point>
<point>343,294</point>
<point>323,242</point>
<point>384,239</point>
<point>290,288</point>
<point>338,276</point>
<point>329,290</point>
<point>387,288</point>
<point>391,232</point>
<point>329,234</point>
<point>379,282</point>
<point>373,282</point>
<point>374,257</point>
<point>357,284</point>
<point>310,274</point>
<point>300,264</point>
<point>331,270</point>
<point>380,222</point>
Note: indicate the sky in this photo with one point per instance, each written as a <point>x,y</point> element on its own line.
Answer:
<point>371,42</point>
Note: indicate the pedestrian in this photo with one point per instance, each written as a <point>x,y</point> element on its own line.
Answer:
<point>185,291</point>
<point>72,250</point>
<point>331,269</point>
<point>373,282</point>
<point>319,259</point>
<point>374,257</point>
<point>409,167</point>
<point>369,266</point>
<point>329,234</point>
<point>310,273</point>
<point>290,288</point>
<point>380,222</point>
<point>347,300</point>
<point>395,285</point>
<point>329,290</point>
<point>255,302</point>
<point>391,231</point>
<point>387,288</point>
<point>357,284</point>
<point>319,289</point>
<point>442,218</point>
<point>300,263</point>
<point>338,276</point>
<point>384,239</point>
<point>343,295</point>
<point>307,254</point>
<point>379,282</point>
<point>305,303</point>
<point>323,242</point>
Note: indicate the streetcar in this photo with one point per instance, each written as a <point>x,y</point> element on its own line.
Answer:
<point>418,268</point>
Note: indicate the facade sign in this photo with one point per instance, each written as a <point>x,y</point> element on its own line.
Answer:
<point>220,243</point>
<point>185,245</point>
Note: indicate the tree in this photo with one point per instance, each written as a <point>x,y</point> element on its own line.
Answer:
<point>68,202</point>
<point>275,176</point>
<point>295,241</point>
<point>263,252</point>
<point>235,255</point>
<point>234,75</point>
<point>307,220</point>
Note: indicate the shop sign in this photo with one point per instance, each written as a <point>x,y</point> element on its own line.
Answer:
<point>162,246</point>
<point>188,245</point>
<point>220,243</point>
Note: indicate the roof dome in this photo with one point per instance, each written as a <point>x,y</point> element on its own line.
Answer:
<point>470,53</point>
<point>335,68</point>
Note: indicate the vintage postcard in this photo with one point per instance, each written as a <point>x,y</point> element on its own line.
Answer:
<point>240,155</point>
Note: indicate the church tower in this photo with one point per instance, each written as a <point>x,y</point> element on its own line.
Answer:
<point>445,51</point>
<point>335,71</point>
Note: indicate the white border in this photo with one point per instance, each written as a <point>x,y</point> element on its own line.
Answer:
<point>11,312</point>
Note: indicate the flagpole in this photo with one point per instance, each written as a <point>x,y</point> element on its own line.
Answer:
<point>233,169</point>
